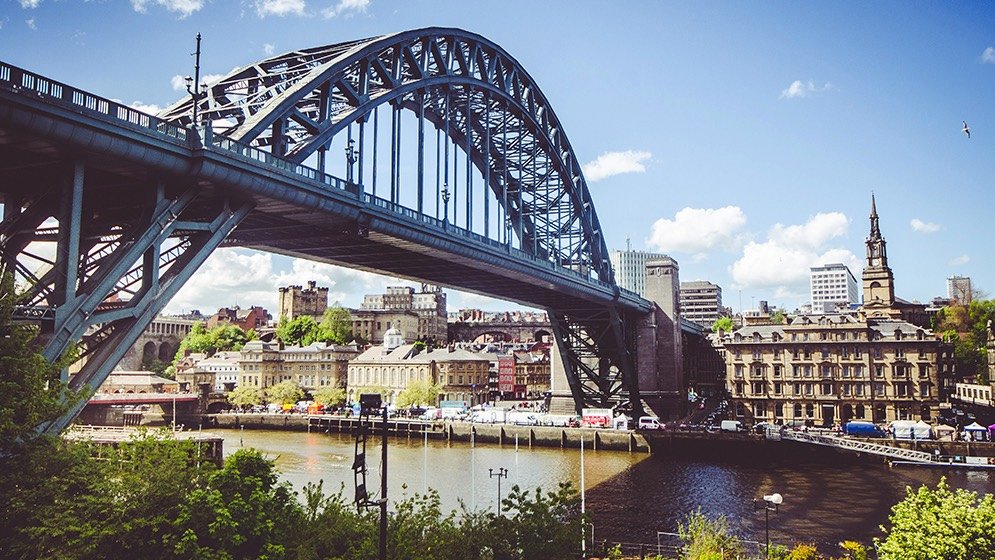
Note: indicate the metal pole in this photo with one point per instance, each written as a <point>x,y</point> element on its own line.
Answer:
<point>583,500</point>
<point>383,487</point>
<point>425,470</point>
<point>767,528</point>
<point>196,81</point>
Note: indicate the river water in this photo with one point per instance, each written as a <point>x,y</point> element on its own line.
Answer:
<point>631,496</point>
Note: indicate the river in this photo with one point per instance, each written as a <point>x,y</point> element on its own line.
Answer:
<point>631,496</point>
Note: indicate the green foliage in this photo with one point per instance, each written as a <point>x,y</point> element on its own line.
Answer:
<point>940,524</point>
<point>329,396</point>
<point>241,513</point>
<point>966,327</point>
<point>778,317</point>
<point>244,396</point>
<point>419,393</point>
<point>615,552</point>
<point>285,392</point>
<point>220,338</point>
<point>335,326</point>
<point>70,504</point>
<point>419,345</point>
<point>708,539</point>
<point>853,550</point>
<point>169,372</point>
<point>723,324</point>
<point>31,391</point>
<point>804,552</point>
<point>158,367</point>
<point>302,331</point>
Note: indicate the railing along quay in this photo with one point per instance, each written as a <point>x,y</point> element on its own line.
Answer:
<point>857,445</point>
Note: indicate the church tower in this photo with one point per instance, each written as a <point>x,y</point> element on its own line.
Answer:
<point>879,283</point>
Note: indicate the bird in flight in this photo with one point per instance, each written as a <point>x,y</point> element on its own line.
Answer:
<point>966,130</point>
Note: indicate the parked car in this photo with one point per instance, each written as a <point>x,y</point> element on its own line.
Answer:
<point>649,423</point>
<point>731,426</point>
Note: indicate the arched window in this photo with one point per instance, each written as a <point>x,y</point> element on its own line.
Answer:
<point>797,412</point>
<point>809,410</point>
<point>860,411</point>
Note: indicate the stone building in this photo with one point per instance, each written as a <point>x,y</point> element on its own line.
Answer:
<point>630,268</point>
<point>252,318</point>
<point>531,374</point>
<point>264,364</point>
<point>827,369</point>
<point>371,324</point>
<point>393,365</point>
<point>429,305</point>
<point>296,301</point>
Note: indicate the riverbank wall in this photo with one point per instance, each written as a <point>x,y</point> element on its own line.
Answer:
<point>711,446</point>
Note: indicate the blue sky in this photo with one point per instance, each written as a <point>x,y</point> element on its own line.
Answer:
<point>743,138</point>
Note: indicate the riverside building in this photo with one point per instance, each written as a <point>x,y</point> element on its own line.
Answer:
<point>826,369</point>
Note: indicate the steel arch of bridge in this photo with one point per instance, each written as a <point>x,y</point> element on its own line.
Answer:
<point>482,99</point>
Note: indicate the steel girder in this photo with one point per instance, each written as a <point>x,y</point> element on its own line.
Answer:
<point>485,102</point>
<point>122,251</point>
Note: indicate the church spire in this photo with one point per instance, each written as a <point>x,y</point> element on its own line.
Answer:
<point>875,228</point>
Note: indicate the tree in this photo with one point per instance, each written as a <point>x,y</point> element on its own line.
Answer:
<point>329,396</point>
<point>31,390</point>
<point>241,513</point>
<point>723,324</point>
<point>336,325</point>
<point>940,524</point>
<point>301,331</point>
<point>419,393</point>
<point>221,338</point>
<point>285,392</point>
<point>703,538</point>
<point>778,317</point>
<point>244,396</point>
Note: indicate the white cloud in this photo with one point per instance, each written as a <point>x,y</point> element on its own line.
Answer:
<point>346,8</point>
<point>924,227</point>
<point>30,4</point>
<point>987,56</point>
<point>280,8</point>
<point>244,277</point>
<point>799,89</point>
<point>959,261</point>
<point>150,108</point>
<point>182,7</point>
<point>268,48</point>
<point>31,24</point>
<point>615,163</point>
<point>783,260</point>
<point>695,230</point>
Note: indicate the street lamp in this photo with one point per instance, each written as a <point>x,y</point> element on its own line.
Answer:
<point>500,473</point>
<point>351,155</point>
<point>194,81</point>
<point>769,504</point>
<point>445,202</point>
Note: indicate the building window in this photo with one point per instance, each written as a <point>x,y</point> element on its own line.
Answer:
<point>924,370</point>
<point>809,389</point>
<point>739,370</point>
<point>797,410</point>
<point>827,388</point>
<point>879,371</point>
<point>777,387</point>
<point>924,390</point>
<point>777,370</point>
<point>809,410</point>
<point>758,387</point>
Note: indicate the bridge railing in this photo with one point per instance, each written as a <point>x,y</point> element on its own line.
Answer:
<point>19,80</point>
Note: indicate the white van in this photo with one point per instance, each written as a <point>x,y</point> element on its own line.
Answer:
<point>649,423</point>
<point>731,426</point>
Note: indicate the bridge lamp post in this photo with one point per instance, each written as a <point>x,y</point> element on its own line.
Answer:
<point>195,92</point>
<point>769,504</point>
<point>445,203</point>
<point>351,155</point>
<point>499,474</point>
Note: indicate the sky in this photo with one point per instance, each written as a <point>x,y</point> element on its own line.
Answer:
<point>742,138</point>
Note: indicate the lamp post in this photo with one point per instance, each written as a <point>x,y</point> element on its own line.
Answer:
<point>194,81</point>
<point>769,504</point>
<point>351,155</point>
<point>445,203</point>
<point>500,473</point>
